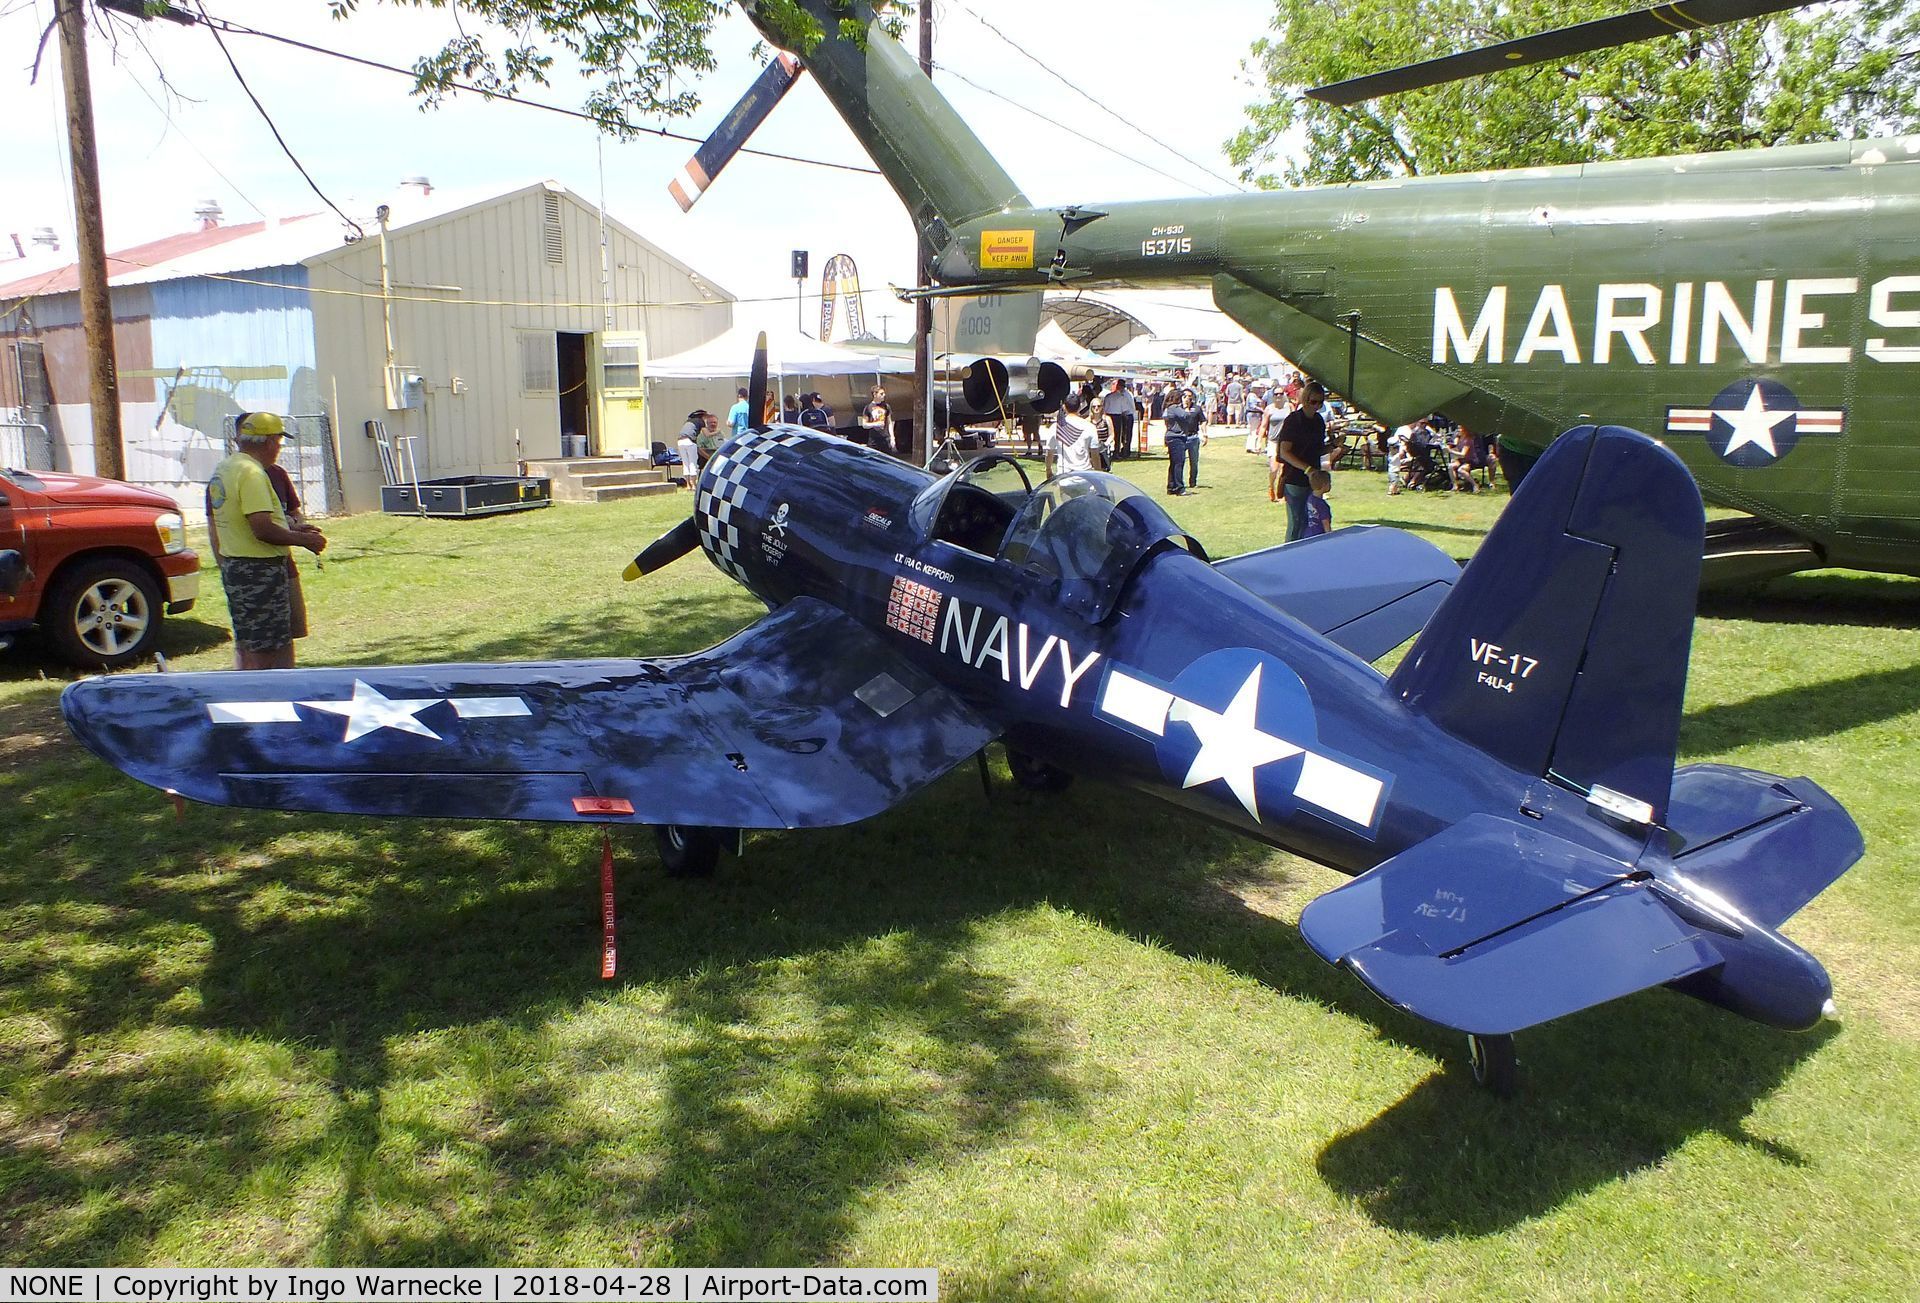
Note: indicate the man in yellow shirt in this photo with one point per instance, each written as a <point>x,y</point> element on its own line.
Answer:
<point>252,542</point>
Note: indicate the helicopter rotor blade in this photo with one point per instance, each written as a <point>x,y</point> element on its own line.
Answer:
<point>1559,43</point>
<point>663,551</point>
<point>731,136</point>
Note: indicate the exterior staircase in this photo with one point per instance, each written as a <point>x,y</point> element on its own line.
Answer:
<point>602,479</point>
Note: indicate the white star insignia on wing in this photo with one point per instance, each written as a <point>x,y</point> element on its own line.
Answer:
<point>370,710</point>
<point>1752,424</point>
<point>1232,745</point>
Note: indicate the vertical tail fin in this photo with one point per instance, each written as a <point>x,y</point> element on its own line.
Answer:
<point>927,152</point>
<point>1563,648</point>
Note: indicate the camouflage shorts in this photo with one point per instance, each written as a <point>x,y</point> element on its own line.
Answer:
<point>259,601</point>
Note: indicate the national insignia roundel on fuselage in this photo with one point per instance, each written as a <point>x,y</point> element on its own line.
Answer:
<point>1244,721</point>
<point>1754,423</point>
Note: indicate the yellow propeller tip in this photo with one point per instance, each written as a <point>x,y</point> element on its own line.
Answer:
<point>632,572</point>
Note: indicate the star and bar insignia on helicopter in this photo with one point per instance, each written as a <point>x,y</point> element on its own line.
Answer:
<point>1753,423</point>
<point>367,711</point>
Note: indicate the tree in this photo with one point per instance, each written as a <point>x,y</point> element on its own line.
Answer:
<point>1838,71</point>
<point>634,53</point>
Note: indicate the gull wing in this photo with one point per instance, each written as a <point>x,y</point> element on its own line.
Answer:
<point>803,720</point>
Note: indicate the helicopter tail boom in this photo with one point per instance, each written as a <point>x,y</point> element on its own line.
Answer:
<point>933,160</point>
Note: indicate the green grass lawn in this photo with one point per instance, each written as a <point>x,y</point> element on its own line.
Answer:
<point>1061,1048</point>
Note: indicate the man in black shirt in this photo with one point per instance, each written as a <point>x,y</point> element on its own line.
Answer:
<point>815,415</point>
<point>1303,438</point>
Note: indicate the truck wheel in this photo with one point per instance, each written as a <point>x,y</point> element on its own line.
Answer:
<point>103,614</point>
<point>687,852</point>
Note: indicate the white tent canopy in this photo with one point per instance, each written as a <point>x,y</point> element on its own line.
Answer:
<point>789,352</point>
<point>1146,351</point>
<point>1250,351</point>
<point>1054,344</point>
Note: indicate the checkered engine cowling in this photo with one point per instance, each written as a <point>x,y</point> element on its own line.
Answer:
<point>720,507</point>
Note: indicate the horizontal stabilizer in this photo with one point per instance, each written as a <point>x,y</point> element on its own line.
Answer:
<point>805,719</point>
<point>1367,588</point>
<point>1481,876</point>
<point>1494,925</point>
<point>1599,948</point>
<point>1765,845</point>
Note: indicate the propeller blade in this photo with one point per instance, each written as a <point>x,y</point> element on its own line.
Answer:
<point>757,385</point>
<point>1559,43</point>
<point>669,547</point>
<point>717,150</point>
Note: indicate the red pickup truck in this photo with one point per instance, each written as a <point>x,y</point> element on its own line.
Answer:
<point>104,561</point>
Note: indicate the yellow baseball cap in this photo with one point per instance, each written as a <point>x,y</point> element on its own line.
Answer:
<point>259,425</point>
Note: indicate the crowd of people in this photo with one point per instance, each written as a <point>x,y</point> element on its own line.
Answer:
<point>1302,431</point>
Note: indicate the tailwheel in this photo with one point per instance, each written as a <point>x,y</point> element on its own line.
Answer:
<point>1495,1067</point>
<point>1036,775</point>
<point>688,852</point>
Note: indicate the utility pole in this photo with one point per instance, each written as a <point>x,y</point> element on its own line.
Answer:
<point>96,307</point>
<point>923,306</point>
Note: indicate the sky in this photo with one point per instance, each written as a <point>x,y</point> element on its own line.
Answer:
<point>1175,71</point>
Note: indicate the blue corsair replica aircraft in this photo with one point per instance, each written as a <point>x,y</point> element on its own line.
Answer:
<point>1522,844</point>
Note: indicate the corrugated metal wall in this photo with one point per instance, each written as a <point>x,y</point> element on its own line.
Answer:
<point>466,287</point>
<point>472,293</point>
<point>218,335</point>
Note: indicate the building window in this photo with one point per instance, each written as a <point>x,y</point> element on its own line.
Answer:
<point>539,363</point>
<point>551,230</point>
<point>622,366</point>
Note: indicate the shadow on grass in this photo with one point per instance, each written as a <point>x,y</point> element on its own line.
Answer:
<point>1426,527</point>
<point>1802,713</point>
<point>407,1018</point>
<point>180,635</point>
<point>715,1107</point>
<point>1822,597</point>
<point>1604,1094</point>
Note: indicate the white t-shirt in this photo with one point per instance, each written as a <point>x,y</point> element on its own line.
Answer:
<point>1117,403</point>
<point>1074,441</point>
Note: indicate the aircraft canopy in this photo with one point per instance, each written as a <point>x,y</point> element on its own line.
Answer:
<point>1090,532</point>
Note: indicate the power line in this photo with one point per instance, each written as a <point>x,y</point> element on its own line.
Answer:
<point>1024,53</point>
<point>1101,144</point>
<point>180,131</point>
<point>125,261</point>
<point>287,149</point>
<point>237,29</point>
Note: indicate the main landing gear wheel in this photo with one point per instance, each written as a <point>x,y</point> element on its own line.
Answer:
<point>1036,775</point>
<point>687,852</point>
<point>1494,1066</point>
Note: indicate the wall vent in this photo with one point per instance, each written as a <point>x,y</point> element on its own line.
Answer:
<point>551,231</point>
